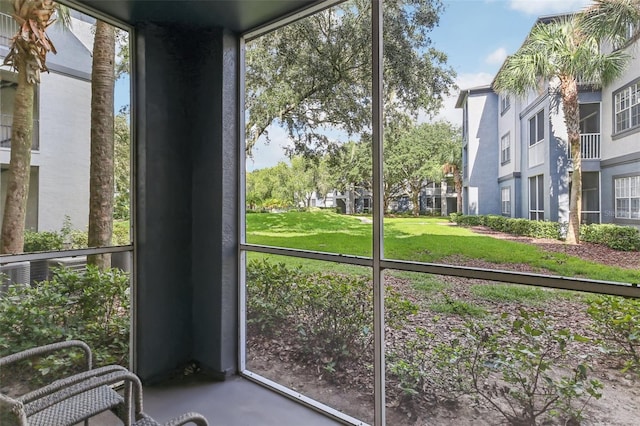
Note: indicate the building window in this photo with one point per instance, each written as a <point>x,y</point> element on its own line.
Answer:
<point>536,128</point>
<point>505,149</point>
<point>505,201</point>
<point>536,197</point>
<point>628,197</point>
<point>505,103</point>
<point>627,108</point>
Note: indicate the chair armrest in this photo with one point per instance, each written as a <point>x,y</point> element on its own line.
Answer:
<point>196,418</point>
<point>14,408</point>
<point>92,382</point>
<point>42,350</point>
<point>58,385</point>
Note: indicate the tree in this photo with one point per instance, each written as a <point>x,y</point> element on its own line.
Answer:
<point>122,166</point>
<point>101,180</point>
<point>350,167</point>
<point>417,156</point>
<point>562,52</point>
<point>27,55</point>
<point>315,74</point>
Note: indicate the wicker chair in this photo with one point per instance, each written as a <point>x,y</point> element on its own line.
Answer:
<point>76,398</point>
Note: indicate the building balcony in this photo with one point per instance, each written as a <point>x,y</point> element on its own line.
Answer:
<point>8,28</point>
<point>6,124</point>
<point>590,146</point>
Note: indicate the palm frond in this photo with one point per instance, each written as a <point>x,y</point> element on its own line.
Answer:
<point>616,20</point>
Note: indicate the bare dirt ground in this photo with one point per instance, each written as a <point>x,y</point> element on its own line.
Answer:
<point>351,391</point>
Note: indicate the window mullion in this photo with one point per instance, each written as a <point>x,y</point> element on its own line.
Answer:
<point>378,249</point>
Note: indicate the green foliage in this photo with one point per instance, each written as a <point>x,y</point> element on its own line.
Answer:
<point>617,322</point>
<point>121,233</point>
<point>623,238</point>
<point>419,371</point>
<point>316,72</point>
<point>457,307</point>
<point>92,306</point>
<point>122,163</point>
<point>42,241</point>
<point>332,314</point>
<point>520,367</point>
<point>526,227</point>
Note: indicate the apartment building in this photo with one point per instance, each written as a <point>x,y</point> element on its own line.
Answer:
<point>60,155</point>
<point>516,158</point>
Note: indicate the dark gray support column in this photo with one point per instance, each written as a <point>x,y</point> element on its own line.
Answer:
<point>163,292</point>
<point>186,305</point>
<point>215,204</point>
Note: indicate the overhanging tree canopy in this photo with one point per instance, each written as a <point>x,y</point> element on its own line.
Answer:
<point>316,73</point>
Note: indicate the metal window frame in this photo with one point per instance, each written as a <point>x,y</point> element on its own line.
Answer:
<point>377,262</point>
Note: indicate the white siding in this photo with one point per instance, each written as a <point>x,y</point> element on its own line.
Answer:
<point>65,126</point>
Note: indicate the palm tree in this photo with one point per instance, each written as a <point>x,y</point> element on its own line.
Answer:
<point>101,180</point>
<point>562,52</point>
<point>27,55</point>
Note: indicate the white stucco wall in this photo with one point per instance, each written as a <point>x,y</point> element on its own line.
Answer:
<point>63,159</point>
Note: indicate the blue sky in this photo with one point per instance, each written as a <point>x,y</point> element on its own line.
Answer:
<point>477,35</point>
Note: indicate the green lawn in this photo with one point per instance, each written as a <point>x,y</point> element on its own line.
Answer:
<point>423,239</point>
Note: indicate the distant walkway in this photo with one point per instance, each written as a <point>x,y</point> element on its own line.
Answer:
<point>364,219</point>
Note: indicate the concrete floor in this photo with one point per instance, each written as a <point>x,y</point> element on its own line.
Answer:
<point>235,402</point>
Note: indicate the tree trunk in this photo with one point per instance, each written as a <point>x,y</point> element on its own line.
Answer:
<point>415,199</point>
<point>101,184</point>
<point>15,208</point>
<point>458,185</point>
<point>569,93</point>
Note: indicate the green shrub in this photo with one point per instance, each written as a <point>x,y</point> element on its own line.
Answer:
<point>623,238</point>
<point>121,234</point>
<point>617,322</point>
<point>330,314</point>
<point>42,241</point>
<point>92,306</point>
<point>420,373</point>
<point>470,220</point>
<point>520,367</point>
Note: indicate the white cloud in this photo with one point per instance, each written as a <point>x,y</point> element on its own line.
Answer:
<point>449,111</point>
<point>497,56</point>
<point>547,7</point>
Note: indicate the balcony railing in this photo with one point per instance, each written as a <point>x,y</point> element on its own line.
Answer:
<point>6,123</point>
<point>8,28</point>
<point>590,146</point>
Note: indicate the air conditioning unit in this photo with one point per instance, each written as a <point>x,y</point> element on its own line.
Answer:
<point>14,273</point>
<point>39,271</point>
<point>78,264</point>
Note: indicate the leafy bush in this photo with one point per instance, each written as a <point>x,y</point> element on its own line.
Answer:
<point>418,373</point>
<point>617,322</point>
<point>520,368</point>
<point>623,238</point>
<point>470,220</point>
<point>42,241</point>
<point>92,306</point>
<point>331,314</point>
<point>121,235</point>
